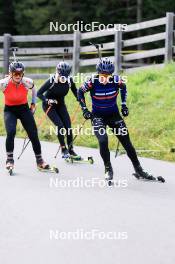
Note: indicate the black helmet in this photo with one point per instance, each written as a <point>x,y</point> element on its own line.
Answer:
<point>16,66</point>
<point>105,65</point>
<point>63,68</point>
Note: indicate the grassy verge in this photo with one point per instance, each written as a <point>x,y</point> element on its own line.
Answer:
<point>151,101</point>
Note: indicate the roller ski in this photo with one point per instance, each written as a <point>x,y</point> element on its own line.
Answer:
<point>44,167</point>
<point>109,175</point>
<point>71,157</point>
<point>10,167</point>
<point>140,174</point>
<point>88,160</point>
<point>74,155</point>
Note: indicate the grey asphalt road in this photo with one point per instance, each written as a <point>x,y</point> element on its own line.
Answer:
<point>47,218</point>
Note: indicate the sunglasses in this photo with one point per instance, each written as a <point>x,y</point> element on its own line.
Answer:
<point>15,74</point>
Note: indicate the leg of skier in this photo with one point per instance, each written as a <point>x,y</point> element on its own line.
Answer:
<point>56,120</point>
<point>63,113</point>
<point>28,122</point>
<point>10,121</point>
<point>99,127</point>
<point>121,131</point>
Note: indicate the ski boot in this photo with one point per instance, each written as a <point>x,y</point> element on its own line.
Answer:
<point>141,174</point>
<point>65,153</point>
<point>10,166</point>
<point>109,174</point>
<point>73,155</point>
<point>44,167</point>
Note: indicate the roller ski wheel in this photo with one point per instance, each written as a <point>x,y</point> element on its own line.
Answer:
<point>91,160</point>
<point>43,167</point>
<point>141,174</point>
<point>10,167</point>
<point>109,175</point>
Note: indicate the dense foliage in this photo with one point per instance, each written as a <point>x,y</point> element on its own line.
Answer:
<point>33,16</point>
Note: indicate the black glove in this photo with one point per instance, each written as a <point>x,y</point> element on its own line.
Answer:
<point>87,114</point>
<point>51,102</point>
<point>124,110</point>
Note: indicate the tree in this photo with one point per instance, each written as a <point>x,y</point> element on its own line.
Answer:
<point>7,20</point>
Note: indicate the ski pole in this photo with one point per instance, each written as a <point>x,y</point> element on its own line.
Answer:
<point>64,53</point>
<point>24,143</point>
<point>74,116</point>
<point>26,137</point>
<point>24,147</point>
<point>77,134</point>
<point>41,121</point>
<point>118,145</point>
<point>14,50</point>
<point>72,140</point>
<point>117,149</point>
<point>97,46</point>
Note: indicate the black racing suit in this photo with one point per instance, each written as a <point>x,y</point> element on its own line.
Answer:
<point>58,113</point>
<point>106,113</point>
<point>23,113</point>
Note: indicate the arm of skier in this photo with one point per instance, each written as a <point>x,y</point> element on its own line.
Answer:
<point>33,103</point>
<point>43,89</point>
<point>73,88</point>
<point>86,87</point>
<point>29,84</point>
<point>34,95</point>
<point>4,83</point>
<point>123,94</point>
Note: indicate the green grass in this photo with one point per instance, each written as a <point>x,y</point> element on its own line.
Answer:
<point>151,122</point>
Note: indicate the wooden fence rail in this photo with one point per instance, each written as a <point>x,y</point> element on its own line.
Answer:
<point>81,55</point>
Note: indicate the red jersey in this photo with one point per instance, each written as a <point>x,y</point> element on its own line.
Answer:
<point>16,94</point>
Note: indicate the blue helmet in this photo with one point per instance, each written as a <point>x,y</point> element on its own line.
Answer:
<point>63,68</point>
<point>16,66</point>
<point>105,65</point>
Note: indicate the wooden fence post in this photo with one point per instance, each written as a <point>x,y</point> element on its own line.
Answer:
<point>169,37</point>
<point>76,52</point>
<point>117,51</point>
<point>6,53</point>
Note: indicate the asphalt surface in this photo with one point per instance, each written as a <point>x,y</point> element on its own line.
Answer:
<point>59,218</point>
